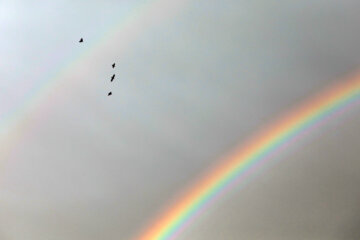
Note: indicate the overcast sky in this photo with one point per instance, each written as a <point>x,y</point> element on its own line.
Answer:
<point>194,79</point>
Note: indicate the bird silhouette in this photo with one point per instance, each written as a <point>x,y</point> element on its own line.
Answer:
<point>113,66</point>
<point>112,77</point>
<point>81,40</point>
<point>110,93</point>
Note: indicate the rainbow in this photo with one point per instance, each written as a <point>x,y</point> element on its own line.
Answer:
<point>139,18</point>
<point>255,151</point>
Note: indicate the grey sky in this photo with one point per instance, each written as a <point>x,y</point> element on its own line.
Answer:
<point>189,87</point>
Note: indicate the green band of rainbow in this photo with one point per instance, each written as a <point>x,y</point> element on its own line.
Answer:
<point>253,152</point>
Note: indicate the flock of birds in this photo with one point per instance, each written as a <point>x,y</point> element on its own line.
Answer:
<point>113,66</point>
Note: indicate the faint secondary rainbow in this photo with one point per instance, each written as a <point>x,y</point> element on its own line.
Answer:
<point>139,18</point>
<point>253,152</point>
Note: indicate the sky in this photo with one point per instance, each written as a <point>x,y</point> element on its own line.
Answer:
<point>194,79</point>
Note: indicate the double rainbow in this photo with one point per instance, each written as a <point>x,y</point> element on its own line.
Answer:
<point>255,151</point>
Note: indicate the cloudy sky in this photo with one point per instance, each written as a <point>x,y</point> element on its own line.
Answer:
<point>194,79</point>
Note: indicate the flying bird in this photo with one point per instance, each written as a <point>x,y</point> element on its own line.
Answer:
<point>110,93</point>
<point>81,40</point>
<point>112,77</point>
<point>113,65</point>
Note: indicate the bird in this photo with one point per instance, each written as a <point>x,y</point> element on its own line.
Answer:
<point>113,66</point>
<point>81,40</point>
<point>110,93</point>
<point>112,77</point>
